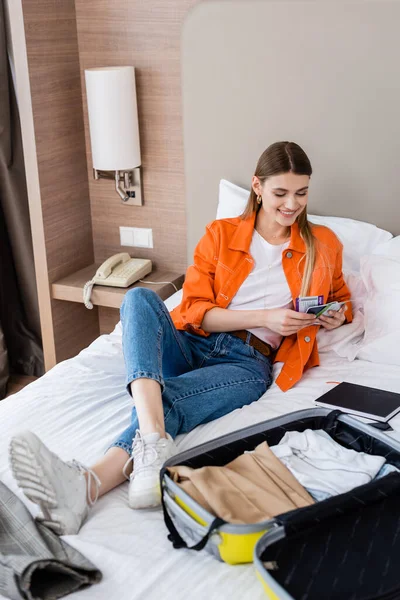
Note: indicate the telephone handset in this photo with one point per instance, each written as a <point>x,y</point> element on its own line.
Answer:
<point>119,270</point>
<point>108,265</point>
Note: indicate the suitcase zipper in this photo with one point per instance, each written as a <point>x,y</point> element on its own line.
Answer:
<point>271,565</point>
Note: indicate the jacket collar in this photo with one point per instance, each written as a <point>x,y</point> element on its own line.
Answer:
<point>241,239</point>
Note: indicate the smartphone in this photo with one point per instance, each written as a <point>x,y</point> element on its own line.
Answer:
<point>323,308</point>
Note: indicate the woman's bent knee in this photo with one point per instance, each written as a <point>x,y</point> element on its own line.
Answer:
<point>140,295</point>
<point>138,298</point>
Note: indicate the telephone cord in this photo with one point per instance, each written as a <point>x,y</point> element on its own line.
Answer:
<point>158,282</point>
<point>87,292</point>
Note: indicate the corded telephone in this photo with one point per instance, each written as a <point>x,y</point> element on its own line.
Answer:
<point>119,270</point>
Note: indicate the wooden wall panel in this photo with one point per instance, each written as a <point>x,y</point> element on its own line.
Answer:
<point>147,36</point>
<point>54,75</point>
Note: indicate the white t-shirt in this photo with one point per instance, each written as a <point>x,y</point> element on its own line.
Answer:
<point>265,286</point>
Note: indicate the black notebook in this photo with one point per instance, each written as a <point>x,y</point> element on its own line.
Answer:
<point>362,401</point>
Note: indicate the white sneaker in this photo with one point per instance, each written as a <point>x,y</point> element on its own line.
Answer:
<point>58,487</point>
<point>149,453</point>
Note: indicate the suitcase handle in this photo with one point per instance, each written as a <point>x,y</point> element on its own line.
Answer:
<point>175,537</point>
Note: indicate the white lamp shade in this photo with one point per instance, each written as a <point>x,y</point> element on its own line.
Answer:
<point>113,118</point>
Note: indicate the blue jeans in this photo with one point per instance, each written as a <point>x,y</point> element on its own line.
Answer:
<point>201,378</point>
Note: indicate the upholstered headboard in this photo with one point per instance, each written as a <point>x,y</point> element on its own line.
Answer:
<point>323,74</point>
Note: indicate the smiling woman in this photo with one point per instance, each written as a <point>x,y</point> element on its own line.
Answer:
<point>285,257</point>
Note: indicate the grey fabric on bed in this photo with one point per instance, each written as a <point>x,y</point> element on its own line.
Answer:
<point>35,563</point>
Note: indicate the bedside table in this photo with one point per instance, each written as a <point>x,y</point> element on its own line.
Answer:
<point>107,298</point>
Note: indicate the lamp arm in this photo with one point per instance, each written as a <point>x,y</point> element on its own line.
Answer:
<point>120,191</point>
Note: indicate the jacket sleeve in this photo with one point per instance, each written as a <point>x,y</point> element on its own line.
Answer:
<point>198,289</point>
<point>339,290</point>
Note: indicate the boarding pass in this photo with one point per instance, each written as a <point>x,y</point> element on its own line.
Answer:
<point>304,302</point>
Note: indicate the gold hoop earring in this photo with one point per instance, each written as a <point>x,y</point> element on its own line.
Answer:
<point>259,199</point>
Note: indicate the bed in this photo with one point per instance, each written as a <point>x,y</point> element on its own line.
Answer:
<point>81,405</point>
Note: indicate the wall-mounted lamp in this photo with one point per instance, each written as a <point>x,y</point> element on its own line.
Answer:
<point>114,129</point>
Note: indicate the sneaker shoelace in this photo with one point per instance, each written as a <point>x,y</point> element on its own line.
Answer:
<point>143,451</point>
<point>92,480</point>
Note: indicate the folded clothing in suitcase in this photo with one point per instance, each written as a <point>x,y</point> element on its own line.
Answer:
<point>190,525</point>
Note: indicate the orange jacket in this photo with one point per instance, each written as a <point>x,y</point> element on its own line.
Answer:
<point>222,262</point>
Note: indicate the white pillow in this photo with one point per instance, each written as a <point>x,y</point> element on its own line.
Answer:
<point>381,276</point>
<point>345,340</point>
<point>232,200</point>
<point>390,248</point>
<point>357,289</point>
<point>358,238</point>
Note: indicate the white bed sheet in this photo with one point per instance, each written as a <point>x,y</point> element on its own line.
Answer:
<point>80,406</point>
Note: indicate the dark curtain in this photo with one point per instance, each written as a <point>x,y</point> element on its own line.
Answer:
<point>20,338</point>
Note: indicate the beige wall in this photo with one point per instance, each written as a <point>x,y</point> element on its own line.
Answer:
<point>323,74</point>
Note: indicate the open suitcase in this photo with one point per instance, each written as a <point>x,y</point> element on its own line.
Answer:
<point>191,526</point>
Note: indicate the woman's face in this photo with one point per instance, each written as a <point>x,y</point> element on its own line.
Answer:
<point>284,196</point>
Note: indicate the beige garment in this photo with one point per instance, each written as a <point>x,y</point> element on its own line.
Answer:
<point>254,487</point>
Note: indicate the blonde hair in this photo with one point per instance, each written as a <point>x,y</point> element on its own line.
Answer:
<point>285,157</point>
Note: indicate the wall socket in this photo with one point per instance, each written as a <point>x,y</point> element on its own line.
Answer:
<point>136,236</point>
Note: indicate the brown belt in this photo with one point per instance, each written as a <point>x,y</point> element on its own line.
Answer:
<point>254,341</point>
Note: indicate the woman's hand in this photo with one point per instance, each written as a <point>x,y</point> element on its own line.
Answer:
<point>336,319</point>
<point>286,321</point>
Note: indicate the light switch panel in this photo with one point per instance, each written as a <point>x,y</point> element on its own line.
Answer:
<point>125,235</point>
<point>140,237</point>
